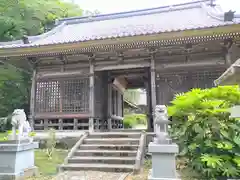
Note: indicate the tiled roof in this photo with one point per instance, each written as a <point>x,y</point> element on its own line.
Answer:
<point>188,16</point>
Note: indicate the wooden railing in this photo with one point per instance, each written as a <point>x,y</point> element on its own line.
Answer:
<point>140,153</point>
<point>75,147</point>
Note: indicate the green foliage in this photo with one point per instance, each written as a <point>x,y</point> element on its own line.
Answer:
<point>206,135</point>
<point>131,120</point>
<point>31,17</point>
<point>51,143</point>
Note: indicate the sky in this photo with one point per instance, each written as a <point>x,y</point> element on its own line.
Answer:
<point>111,6</point>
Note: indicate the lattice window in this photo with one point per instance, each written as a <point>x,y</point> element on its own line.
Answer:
<point>76,95</point>
<point>176,82</point>
<point>70,95</point>
<point>47,96</point>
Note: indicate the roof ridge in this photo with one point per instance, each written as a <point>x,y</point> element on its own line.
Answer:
<point>100,17</point>
<point>46,34</point>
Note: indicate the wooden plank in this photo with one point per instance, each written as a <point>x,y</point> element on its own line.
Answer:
<point>33,99</point>
<point>91,97</point>
<point>122,66</point>
<point>62,115</point>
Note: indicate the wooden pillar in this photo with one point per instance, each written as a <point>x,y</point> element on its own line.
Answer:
<point>153,85</point>
<point>33,98</point>
<point>104,103</point>
<point>109,106</point>
<point>149,106</point>
<point>91,95</point>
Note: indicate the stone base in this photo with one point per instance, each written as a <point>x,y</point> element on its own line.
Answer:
<point>163,161</point>
<point>152,178</point>
<point>17,160</point>
<point>30,172</point>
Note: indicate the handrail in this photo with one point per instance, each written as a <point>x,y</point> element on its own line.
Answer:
<point>140,152</point>
<point>74,148</point>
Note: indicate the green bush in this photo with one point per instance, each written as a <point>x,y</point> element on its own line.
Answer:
<point>207,137</point>
<point>131,120</point>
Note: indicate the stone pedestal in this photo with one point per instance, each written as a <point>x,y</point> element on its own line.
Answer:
<point>163,161</point>
<point>17,159</point>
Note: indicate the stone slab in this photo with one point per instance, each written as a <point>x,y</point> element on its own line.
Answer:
<point>11,147</point>
<point>163,148</point>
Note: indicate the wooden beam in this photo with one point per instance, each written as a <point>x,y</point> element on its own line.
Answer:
<point>167,67</point>
<point>44,75</point>
<point>122,66</point>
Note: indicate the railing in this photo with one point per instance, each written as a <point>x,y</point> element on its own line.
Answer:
<point>140,153</point>
<point>74,148</point>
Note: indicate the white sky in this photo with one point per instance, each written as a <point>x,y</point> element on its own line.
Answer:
<point>111,6</point>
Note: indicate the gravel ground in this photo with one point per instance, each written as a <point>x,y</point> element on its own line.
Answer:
<point>91,175</point>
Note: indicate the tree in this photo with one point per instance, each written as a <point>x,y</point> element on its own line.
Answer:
<point>30,17</point>
<point>19,18</point>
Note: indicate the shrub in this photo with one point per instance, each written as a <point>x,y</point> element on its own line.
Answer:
<point>206,135</point>
<point>131,120</point>
<point>51,143</point>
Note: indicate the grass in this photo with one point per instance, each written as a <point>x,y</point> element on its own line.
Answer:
<point>48,167</point>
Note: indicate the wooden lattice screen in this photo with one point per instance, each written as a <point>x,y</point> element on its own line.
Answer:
<point>68,95</point>
<point>172,83</point>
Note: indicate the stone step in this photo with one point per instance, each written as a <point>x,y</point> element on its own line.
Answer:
<point>105,153</point>
<point>108,147</point>
<point>111,141</point>
<point>98,167</point>
<point>115,135</point>
<point>102,159</point>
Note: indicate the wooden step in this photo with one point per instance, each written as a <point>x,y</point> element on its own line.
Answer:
<point>102,159</point>
<point>105,152</point>
<point>98,167</point>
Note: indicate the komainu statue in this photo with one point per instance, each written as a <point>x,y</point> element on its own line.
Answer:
<point>161,124</point>
<point>19,121</point>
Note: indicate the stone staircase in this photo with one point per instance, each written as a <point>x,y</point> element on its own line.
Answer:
<point>107,151</point>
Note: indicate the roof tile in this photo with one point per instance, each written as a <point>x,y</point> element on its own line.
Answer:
<point>187,16</point>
